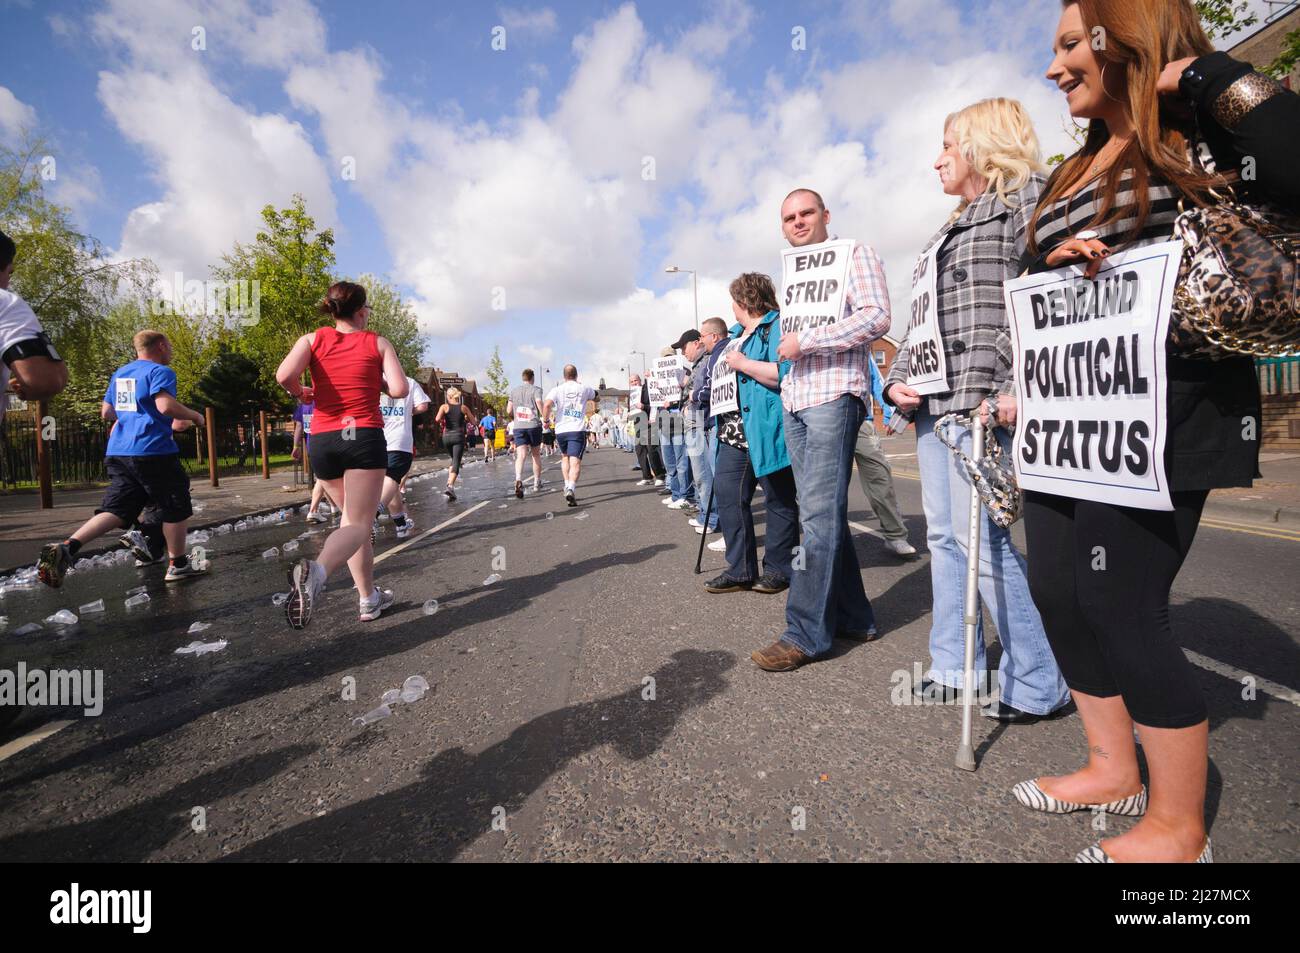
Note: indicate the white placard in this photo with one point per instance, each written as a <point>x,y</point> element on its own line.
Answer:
<point>663,383</point>
<point>927,364</point>
<point>724,394</point>
<point>1091,379</point>
<point>124,394</point>
<point>814,279</point>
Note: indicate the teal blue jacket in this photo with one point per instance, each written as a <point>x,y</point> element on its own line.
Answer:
<point>760,405</point>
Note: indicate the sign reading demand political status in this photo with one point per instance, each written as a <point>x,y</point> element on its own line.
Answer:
<point>814,279</point>
<point>1090,376</point>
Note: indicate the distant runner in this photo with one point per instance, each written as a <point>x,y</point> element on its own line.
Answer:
<point>568,402</point>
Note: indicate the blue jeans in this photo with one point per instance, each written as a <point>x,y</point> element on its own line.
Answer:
<point>733,484</point>
<point>826,595</point>
<point>672,443</point>
<point>1028,677</point>
<point>702,446</point>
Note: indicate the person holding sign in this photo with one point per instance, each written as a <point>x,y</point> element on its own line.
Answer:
<point>700,442</point>
<point>670,375</point>
<point>525,409</point>
<point>752,448</point>
<point>142,460</point>
<point>568,404</point>
<point>1101,572</point>
<point>641,418</point>
<point>834,304</point>
<point>990,162</point>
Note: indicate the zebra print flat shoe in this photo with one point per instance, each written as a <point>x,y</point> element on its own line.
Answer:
<point>1095,855</point>
<point>1035,798</point>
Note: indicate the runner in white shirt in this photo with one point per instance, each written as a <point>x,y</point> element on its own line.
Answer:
<point>398,414</point>
<point>38,371</point>
<point>568,403</point>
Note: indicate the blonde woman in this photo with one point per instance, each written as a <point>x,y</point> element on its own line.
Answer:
<point>990,162</point>
<point>456,422</point>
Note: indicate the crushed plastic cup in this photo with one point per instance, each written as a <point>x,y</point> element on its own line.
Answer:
<point>431,607</point>
<point>271,553</point>
<point>280,598</point>
<point>392,696</point>
<point>582,516</point>
<point>137,600</point>
<point>198,627</point>
<point>92,607</point>
<point>503,506</point>
<point>202,648</point>
<point>223,529</point>
<point>370,717</point>
<point>550,516</point>
<point>413,689</point>
<point>29,628</point>
<point>62,617</point>
<point>492,579</point>
<point>241,526</point>
<point>137,590</point>
<point>290,546</point>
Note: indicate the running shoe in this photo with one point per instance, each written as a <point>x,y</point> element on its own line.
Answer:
<point>306,588</point>
<point>54,562</point>
<point>570,498</point>
<point>519,489</point>
<point>314,517</point>
<point>379,600</point>
<point>138,544</point>
<point>404,529</point>
<point>189,570</point>
<point>451,495</point>
<point>644,482</point>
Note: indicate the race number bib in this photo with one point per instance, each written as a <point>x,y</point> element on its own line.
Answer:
<point>124,394</point>
<point>724,395</point>
<point>927,365</point>
<point>573,413</point>
<point>524,414</point>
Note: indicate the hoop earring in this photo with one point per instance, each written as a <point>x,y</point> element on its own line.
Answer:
<point>1103,86</point>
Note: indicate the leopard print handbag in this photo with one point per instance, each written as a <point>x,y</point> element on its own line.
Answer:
<point>994,476</point>
<point>1238,282</point>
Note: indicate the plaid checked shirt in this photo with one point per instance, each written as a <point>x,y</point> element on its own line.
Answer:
<point>835,356</point>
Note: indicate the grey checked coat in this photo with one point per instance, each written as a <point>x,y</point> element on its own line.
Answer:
<point>980,250</point>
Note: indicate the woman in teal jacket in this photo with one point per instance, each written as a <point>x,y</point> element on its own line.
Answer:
<point>751,447</point>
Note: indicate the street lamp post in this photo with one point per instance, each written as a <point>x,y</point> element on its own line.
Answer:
<point>643,363</point>
<point>695,290</point>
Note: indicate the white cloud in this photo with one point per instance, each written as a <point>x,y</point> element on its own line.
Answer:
<point>16,117</point>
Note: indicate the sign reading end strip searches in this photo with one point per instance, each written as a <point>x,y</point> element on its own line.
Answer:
<point>1091,378</point>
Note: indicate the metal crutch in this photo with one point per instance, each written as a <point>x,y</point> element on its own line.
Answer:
<point>971,604</point>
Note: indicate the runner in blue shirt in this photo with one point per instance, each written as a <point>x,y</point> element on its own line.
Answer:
<point>142,460</point>
<point>488,427</point>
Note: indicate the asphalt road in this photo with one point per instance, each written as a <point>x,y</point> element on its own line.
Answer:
<point>538,716</point>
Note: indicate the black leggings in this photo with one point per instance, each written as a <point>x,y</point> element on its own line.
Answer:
<point>456,447</point>
<point>1100,576</point>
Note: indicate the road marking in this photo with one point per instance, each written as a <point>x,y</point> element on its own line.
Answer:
<point>866,529</point>
<point>1237,675</point>
<point>429,532</point>
<point>1273,532</point>
<point>36,736</point>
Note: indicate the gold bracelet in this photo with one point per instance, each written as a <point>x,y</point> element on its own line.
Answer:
<point>1242,96</point>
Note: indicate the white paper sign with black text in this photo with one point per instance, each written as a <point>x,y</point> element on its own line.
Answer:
<point>814,279</point>
<point>1091,378</point>
<point>724,395</point>
<point>664,381</point>
<point>927,364</point>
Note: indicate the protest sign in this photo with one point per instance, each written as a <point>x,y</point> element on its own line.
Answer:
<point>724,397</point>
<point>927,364</point>
<point>663,383</point>
<point>814,279</point>
<point>1091,378</point>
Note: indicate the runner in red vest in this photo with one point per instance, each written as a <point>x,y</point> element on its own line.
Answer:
<point>349,366</point>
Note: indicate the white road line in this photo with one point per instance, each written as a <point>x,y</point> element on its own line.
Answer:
<point>866,529</point>
<point>429,532</point>
<point>1219,668</point>
<point>31,738</point>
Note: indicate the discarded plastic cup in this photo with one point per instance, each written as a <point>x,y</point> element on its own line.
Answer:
<point>392,696</point>
<point>137,600</point>
<point>550,516</point>
<point>492,579</point>
<point>290,546</point>
<point>271,553</point>
<point>198,627</point>
<point>91,607</point>
<point>202,648</point>
<point>137,590</point>
<point>431,607</point>
<point>29,628</point>
<point>370,717</point>
<point>62,617</point>
<point>280,598</point>
<point>413,689</point>
<point>582,516</point>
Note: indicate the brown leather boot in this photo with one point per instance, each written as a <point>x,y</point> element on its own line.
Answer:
<point>779,657</point>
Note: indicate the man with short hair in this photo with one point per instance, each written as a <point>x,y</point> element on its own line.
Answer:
<point>399,414</point>
<point>825,395</point>
<point>642,417</point>
<point>567,403</point>
<point>672,436</point>
<point>488,427</point>
<point>38,372</point>
<point>877,478</point>
<point>702,353</point>
<point>142,460</point>
<point>525,409</point>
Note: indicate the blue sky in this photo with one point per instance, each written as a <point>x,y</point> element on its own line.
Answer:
<point>516,172</point>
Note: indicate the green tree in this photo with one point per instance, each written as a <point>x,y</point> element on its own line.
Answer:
<point>393,318</point>
<point>233,386</point>
<point>498,389</point>
<point>1222,18</point>
<point>292,264</point>
<point>1287,59</point>
<point>64,275</point>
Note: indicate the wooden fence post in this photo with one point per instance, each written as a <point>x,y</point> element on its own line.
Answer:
<point>212,445</point>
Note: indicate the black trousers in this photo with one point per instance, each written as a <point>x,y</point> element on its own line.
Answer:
<point>1100,576</point>
<point>733,494</point>
<point>651,461</point>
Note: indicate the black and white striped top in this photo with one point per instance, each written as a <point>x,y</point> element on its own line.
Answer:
<point>1065,218</point>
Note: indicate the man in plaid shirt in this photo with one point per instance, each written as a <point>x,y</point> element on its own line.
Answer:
<point>825,396</point>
